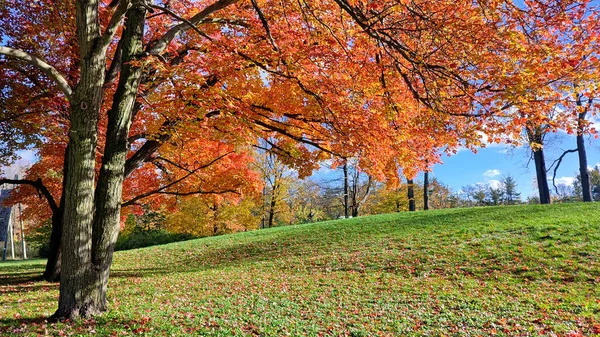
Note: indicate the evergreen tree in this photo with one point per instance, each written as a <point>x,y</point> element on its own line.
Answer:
<point>594,175</point>
<point>495,195</point>
<point>509,189</point>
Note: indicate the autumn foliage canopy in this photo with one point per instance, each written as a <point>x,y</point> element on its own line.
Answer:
<point>395,82</point>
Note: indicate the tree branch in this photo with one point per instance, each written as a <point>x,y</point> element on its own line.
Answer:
<point>558,162</point>
<point>41,188</point>
<point>159,45</point>
<point>180,18</point>
<point>44,67</point>
<point>115,20</point>
<point>161,190</point>
<point>265,24</point>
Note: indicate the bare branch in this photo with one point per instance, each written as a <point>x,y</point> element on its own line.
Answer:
<point>558,162</point>
<point>232,22</point>
<point>47,69</point>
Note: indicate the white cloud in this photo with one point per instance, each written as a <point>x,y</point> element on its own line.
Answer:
<point>493,183</point>
<point>565,181</point>
<point>491,173</point>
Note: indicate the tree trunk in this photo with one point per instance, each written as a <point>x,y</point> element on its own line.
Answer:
<point>109,188</point>
<point>542,179</point>
<point>346,190</point>
<point>583,164</point>
<point>272,205</point>
<point>88,239</point>
<point>410,186</point>
<point>53,265</point>
<point>426,191</point>
<point>76,291</point>
<point>535,135</point>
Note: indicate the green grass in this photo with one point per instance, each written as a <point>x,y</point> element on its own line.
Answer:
<point>506,271</point>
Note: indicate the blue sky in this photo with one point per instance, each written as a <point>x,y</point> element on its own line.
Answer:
<point>491,163</point>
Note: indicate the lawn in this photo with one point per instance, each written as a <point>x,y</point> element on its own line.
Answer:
<point>506,271</point>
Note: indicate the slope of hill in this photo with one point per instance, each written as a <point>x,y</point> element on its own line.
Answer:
<point>522,270</point>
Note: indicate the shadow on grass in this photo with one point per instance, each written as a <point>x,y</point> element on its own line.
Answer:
<point>20,278</point>
<point>17,326</point>
<point>101,324</point>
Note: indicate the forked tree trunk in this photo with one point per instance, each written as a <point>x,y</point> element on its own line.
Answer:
<point>110,182</point>
<point>88,239</point>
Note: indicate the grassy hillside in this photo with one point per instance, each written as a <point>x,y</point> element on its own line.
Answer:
<point>522,270</point>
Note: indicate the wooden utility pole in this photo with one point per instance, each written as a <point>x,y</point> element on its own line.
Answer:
<point>11,235</point>
<point>23,246</point>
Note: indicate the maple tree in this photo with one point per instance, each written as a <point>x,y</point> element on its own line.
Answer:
<point>171,93</point>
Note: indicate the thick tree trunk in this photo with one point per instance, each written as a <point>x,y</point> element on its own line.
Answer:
<point>91,219</point>
<point>542,179</point>
<point>109,189</point>
<point>410,186</point>
<point>426,191</point>
<point>76,291</point>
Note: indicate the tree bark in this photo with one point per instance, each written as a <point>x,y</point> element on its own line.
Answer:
<point>410,186</point>
<point>109,188</point>
<point>426,191</point>
<point>586,187</point>
<point>541,176</point>
<point>53,265</point>
<point>273,204</point>
<point>346,190</point>
<point>535,135</point>
<point>76,292</point>
<point>91,218</point>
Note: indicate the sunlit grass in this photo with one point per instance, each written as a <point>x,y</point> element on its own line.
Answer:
<point>512,271</point>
